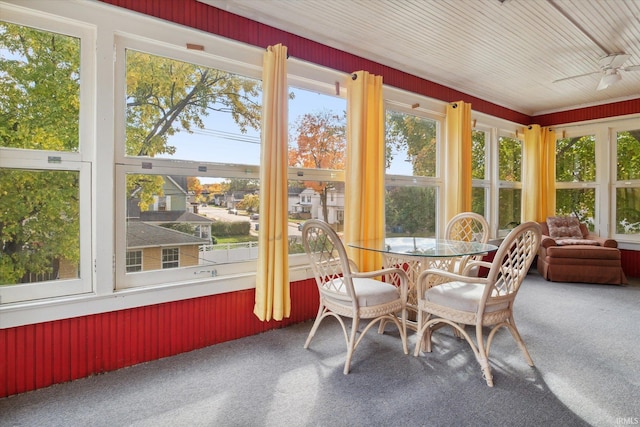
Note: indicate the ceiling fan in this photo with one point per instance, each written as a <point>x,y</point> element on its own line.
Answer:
<point>610,67</point>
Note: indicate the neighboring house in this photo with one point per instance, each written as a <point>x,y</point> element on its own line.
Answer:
<point>151,247</point>
<point>201,225</point>
<point>307,204</point>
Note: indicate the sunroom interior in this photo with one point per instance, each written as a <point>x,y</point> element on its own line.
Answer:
<point>118,163</point>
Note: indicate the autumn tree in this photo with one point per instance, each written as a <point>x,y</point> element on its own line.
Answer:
<point>250,203</point>
<point>319,142</point>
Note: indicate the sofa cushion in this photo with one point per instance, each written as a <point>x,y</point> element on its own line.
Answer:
<point>564,242</point>
<point>582,252</point>
<point>567,227</point>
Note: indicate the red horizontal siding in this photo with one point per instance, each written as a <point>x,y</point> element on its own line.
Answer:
<point>616,109</point>
<point>36,356</point>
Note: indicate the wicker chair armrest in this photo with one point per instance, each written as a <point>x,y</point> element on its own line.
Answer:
<point>422,284</point>
<point>475,263</point>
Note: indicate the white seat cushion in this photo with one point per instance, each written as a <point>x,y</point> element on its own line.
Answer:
<point>370,292</point>
<point>460,296</point>
<point>374,292</point>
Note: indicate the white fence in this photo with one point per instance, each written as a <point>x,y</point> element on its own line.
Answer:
<point>229,252</point>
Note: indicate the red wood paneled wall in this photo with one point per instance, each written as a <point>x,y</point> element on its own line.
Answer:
<point>36,356</point>
<point>630,262</point>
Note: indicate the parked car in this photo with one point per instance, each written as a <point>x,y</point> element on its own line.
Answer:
<point>255,216</point>
<point>233,211</point>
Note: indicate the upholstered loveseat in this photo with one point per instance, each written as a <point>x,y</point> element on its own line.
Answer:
<point>570,253</point>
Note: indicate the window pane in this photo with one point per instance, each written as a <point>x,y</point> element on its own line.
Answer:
<point>40,89</point>
<point>314,200</point>
<point>204,221</point>
<point>628,149</point>
<point>410,145</point>
<point>510,159</point>
<point>410,210</point>
<point>478,154</point>
<point>478,199</point>
<point>509,208</point>
<point>576,159</point>
<point>185,111</point>
<point>317,130</point>
<point>577,202</point>
<point>39,226</point>
<point>628,210</point>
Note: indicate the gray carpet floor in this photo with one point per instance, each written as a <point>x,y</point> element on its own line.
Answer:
<point>583,338</point>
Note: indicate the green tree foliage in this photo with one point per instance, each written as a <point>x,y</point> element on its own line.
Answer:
<point>628,168</point>
<point>411,210</point>
<point>166,97</point>
<point>40,95</point>
<point>414,135</point>
<point>576,162</point>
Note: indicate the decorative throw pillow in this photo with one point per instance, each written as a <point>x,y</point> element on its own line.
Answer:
<point>564,227</point>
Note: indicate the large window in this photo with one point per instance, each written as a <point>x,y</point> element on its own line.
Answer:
<point>44,201</point>
<point>317,155</point>
<point>576,178</point>
<point>510,183</point>
<point>188,165</point>
<point>412,187</point>
<point>480,171</point>
<point>627,185</point>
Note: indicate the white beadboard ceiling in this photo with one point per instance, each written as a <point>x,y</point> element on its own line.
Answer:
<point>508,52</point>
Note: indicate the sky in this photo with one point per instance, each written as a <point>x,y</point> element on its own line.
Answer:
<point>222,141</point>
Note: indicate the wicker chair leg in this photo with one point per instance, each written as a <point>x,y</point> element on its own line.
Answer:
<point>483,356</point>
<point>315,326</point>
<point>351,346</point>
<point>516,336</point>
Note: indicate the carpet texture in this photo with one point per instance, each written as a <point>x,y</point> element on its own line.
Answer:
<point>583,338</point>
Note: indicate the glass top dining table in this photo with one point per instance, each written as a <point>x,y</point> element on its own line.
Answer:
<point>423,247</point>
<point>416,254</point>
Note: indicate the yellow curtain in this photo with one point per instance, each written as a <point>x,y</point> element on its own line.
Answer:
<point>364,170</point>
<point>539,169</point>
<point>273,299</point>
<point>457,183</point>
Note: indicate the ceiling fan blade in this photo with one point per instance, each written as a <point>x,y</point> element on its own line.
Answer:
<point>614,60</point>
<point>631,68</point>
<point>575,77</point>
<point>609,79</point>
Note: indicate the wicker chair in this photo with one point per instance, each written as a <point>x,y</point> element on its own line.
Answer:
<point>347,293</point>
<point>468,227</point>
<point>464,300</point>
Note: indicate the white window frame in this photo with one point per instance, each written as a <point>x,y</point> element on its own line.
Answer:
<point>80,161</point>
<point>420,106</point>
<point>623,126</point>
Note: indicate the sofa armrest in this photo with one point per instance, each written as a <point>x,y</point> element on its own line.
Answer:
<point>547,242</point>
<point>603,241</point>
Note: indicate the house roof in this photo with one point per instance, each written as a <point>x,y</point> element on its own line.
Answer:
<point>143,235</point>
<point>173,216</point>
